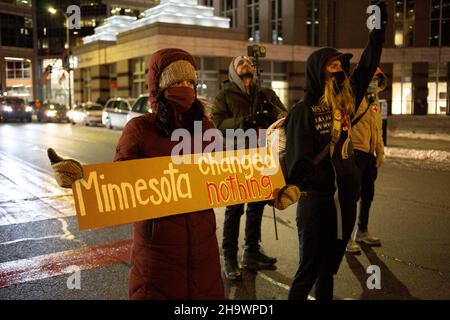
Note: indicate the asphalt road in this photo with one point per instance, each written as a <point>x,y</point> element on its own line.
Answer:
<point>39,239</point>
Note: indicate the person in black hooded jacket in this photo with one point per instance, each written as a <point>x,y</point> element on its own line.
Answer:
<point>321,125</point>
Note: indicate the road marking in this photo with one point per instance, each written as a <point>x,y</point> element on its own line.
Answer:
<point>279,284</point>
<point>55,264</point>
<point>28,193</point>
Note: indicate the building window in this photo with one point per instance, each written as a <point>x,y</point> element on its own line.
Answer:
<point>15,31</point>
<point>112,80</point>
<point>18,69</point>
<point>404,23</point>
<point>138,67</point>
<point>207,3</point>
<point>440,23</point>
<point>312,22</point>
<point>274,76</point>
<point>208,77</point>
<point>402,96</point>
<point>254,34</point>
<point>277,22</point>
<point>229,10</point>
<point>437,88</point>
<point>86,84</point>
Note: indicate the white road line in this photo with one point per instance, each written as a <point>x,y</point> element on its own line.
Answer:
<point>279,284</point>
<point>28,193</point>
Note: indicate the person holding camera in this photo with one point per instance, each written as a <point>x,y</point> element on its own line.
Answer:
<point>233,109</point>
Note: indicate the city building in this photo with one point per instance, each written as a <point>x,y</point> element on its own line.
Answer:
<point>416,57</point>
<point>16,48</point>
<point>33,61</point>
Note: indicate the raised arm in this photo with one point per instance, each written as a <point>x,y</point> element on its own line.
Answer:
<point>370,58</point>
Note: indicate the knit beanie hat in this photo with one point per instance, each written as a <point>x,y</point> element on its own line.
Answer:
<point>234,77</point>
<point>238,59</point>
<point>175,72</point>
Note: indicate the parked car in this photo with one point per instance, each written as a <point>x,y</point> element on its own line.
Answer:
<point>116,112</point>
<point>86,113</point>
<point>52,112</point>
<point>140,107</point>
<point>14,108</point>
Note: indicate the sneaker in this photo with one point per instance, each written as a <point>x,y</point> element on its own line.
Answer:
<point>231,269</point>
<point>353,247</point>
<point>256,260</point>
<point>367,238</point>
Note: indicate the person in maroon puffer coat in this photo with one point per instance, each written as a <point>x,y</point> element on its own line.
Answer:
<point>174,257</point>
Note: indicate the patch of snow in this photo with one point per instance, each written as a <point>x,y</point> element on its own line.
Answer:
<point>421,155</point>
<point>423,136</point>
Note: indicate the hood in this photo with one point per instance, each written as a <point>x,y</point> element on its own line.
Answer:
<point>157,62</point>
<point>315,77</point>
<point>233,76</point>
<point>382,80</point>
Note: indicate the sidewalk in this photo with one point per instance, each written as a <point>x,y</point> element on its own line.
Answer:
<point>424,138</point>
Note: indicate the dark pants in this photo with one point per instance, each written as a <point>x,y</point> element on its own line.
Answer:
<point>368,171</point>
<point>252,228</point>
<point>321,251</point>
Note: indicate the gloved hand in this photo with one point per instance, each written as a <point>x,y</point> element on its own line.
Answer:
<point>286,196</point>
<point>380,159</point>
<point>66,171</point>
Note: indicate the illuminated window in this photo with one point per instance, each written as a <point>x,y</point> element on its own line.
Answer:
<point>402,95</point>
<point>208,77</point>
<point>18,69</point>
<point>274,76</point>
<point>312,22</point>
<point>138,67</point>
<point>254,34</point>
<point>277,22</point>
<point>404,18</point>
<point>437,89</point>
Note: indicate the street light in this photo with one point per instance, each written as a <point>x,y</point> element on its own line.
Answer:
<point>53,11</point>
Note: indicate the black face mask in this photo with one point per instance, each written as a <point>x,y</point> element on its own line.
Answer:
<point>339,78</point>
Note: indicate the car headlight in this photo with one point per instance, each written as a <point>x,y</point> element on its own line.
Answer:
<point>8,109</point>
<point>28,109</point>
<point>51,113</point>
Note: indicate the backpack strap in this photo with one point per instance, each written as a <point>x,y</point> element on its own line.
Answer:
<point>356,120</point>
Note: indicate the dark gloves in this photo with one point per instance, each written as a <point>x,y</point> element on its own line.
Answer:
<point>66,171</point>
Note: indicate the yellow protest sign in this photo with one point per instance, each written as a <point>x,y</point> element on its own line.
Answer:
<point>124,192</point>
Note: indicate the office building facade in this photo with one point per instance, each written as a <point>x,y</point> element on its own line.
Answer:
<point>416,56</point>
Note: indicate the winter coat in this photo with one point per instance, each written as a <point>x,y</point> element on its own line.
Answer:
<point>231,106</point>
<point>175,257</point>
<point>233,103</point>
<point>308,126</point>
<point>367,134</point>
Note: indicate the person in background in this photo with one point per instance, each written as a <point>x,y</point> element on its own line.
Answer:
<point>367,138</point>
<point>232,110</point>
